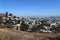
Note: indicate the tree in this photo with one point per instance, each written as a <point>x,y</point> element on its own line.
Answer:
<point>14,16</point>
<point>37,28</point>
<point>58,28</point>
<point>17,21</point>
<point>24,27</point>
<point>10,14</point>
<point>44,22</point>
<point>53,27</point>
<point>6,13</point>
<point>0,20</point>
<point>8,22</point>
<point>34,29</point>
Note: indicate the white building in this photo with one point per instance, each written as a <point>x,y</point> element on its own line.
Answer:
<point>53,25</point>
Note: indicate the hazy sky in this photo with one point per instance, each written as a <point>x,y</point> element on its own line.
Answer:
<point>31,7</point>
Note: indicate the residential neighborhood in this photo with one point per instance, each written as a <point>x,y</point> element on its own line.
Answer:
<point>41,24</point>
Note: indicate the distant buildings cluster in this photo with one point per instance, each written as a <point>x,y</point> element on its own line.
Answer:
<point>8,19</point>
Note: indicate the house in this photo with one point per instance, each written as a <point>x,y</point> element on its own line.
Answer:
<point>16,19</point>
<point>3,18</point>
<point>16,27</point>
<point>47,27</point>
<point>7,18</point>
<point>53,25</point>
<point>46,31</point>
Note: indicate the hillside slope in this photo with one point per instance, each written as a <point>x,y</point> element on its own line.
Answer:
<point>8,34</point>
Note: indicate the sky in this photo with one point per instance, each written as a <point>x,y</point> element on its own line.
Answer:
<point>31,7</point>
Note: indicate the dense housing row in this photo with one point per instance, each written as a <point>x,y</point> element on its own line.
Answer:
<point>51,24</point>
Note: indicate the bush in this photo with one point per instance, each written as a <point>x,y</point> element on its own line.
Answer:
<point>24,27</point>
<point>37,28</point>
<point>58,29</point>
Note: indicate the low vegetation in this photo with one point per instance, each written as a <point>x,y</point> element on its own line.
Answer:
<point>8,34</point>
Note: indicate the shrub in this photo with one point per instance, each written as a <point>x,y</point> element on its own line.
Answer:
<point>24,27</point>
<point>37,28</point>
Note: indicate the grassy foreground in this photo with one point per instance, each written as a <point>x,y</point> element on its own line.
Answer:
<point>8,34</point>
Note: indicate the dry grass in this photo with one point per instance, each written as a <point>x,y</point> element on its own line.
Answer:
<point>8,34</point>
